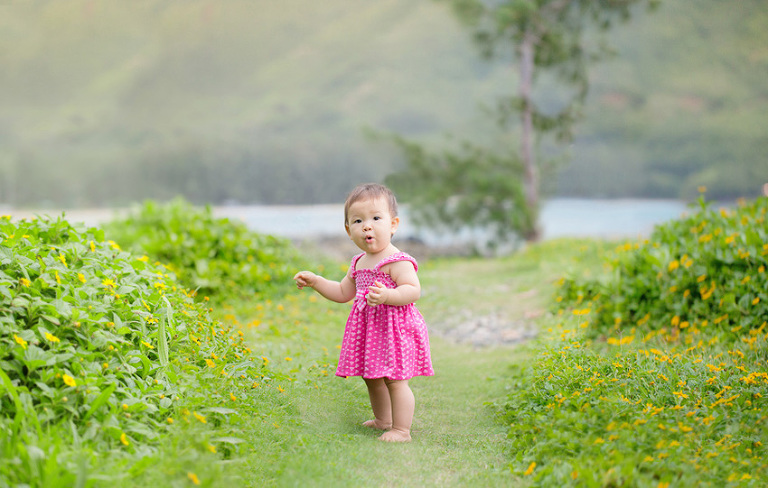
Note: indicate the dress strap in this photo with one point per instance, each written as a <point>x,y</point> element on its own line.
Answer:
<point>353,265</point>
<point>398,256</point>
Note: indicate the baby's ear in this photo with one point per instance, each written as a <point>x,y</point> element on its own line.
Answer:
<point>395,224</point>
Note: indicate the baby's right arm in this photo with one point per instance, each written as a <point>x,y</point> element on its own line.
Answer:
<point>337,291</point>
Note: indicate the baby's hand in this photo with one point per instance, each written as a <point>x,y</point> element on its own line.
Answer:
<point>305,278</point>
<point>377,294</point>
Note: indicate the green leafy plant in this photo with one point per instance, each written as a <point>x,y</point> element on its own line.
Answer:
<point>702,271</point>
<point>216,257</point>
<point>102,351</point>
<point>655,372</point>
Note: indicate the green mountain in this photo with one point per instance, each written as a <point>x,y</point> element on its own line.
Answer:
<point>268,101</point>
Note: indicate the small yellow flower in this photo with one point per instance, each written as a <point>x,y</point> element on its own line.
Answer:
<point>114,245</point>
<point>124,439</point>
<point>109,283</point>
<point>169,420</point>
<point>63,260</point>
<point>530,469</point>
<point>148,345</point>
<point>211,448</point>
<point>199,417</point>
<point>81,277</point>
<point>58,278</point>
<point>25,282</point>
<point>210,363</point>
<point>20,341</point>
<point>143,259</point>
<point>756,301</point>
<point>51,337</point>
<point>69,381</point>
<point>233,397</point>
<point>193,478</point>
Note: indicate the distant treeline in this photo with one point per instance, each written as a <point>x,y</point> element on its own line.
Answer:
<point>107,103</point>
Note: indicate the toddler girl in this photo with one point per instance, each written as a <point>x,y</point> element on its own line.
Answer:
<point>385,339</point>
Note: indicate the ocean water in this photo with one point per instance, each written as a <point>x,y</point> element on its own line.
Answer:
<point>559,218</point>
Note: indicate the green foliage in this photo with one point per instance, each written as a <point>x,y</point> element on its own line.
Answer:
<point>469,188</point>
<point>703,271</point>
<point>655,415</point>
<point>106,362</point>
<point>654,374</point>
<point>216,257</point>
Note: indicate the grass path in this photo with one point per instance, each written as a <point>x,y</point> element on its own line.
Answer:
<point>457,438</point>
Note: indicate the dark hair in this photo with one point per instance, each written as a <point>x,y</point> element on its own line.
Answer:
<point>370,191</point>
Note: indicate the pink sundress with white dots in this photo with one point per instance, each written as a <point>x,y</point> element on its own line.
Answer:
<point>383,341</point>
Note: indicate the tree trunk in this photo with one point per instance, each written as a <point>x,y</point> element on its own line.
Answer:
<point>531,181</point>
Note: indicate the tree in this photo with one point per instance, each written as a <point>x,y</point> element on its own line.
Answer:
<point>542,36</point>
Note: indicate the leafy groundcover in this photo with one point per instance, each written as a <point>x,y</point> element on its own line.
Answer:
<point>656,373</point>
<point>108,364</point>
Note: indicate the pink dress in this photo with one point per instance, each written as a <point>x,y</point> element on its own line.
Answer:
<point>383,341</point>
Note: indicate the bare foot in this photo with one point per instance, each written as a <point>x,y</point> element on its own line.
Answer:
<point>377,424</point>
<point>396,436</point>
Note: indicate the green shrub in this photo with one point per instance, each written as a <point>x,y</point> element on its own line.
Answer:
<point>102,351</point>
<point>655,374</point>
<point>707,270</point>
<point>216,257</point>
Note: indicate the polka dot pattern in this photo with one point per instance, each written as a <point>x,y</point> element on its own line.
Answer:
<point>383,341</point>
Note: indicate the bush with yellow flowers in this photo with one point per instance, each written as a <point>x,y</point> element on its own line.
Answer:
<point>656,373</point>
<point>102,354</point>
<point>705,271</point>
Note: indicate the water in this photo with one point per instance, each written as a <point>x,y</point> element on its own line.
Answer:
<point>559,218</point>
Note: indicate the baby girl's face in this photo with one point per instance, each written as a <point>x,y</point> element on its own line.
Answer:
<point>370,224</point>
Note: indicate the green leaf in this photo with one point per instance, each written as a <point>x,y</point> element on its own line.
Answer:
<point>100,400</point>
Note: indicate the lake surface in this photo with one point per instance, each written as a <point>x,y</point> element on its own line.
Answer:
<point>559,218</point>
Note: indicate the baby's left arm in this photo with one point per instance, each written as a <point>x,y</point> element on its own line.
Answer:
<point>408,287</point>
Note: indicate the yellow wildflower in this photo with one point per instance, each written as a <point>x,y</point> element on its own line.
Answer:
<point>199,417</point>
<point>69,381</point>
<point>20,341</point>
<point>530,469</point>
<point>51,337</point>
<point>124,439</point>
<point>193,478</point>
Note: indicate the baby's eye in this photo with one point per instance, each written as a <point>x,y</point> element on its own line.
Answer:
<point>377,218</point>
<point>356,221</point>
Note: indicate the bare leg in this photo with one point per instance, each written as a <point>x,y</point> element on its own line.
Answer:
<point>380,403</point>
<point>403,405</point>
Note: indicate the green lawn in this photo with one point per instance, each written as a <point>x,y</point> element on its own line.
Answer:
<point>315,437</point>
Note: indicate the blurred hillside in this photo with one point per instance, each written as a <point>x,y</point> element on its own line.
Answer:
<point>103,103</point>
